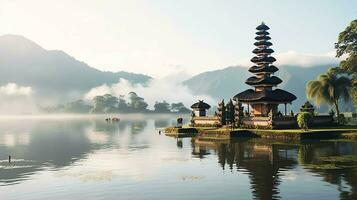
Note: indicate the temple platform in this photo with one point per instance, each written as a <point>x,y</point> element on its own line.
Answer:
<point>340,132</point>
<point>181,132</point>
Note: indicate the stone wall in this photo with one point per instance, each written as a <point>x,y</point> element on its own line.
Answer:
<point>213,121</point>
<point>323,120</point>
<point>257,122</point>
<point>284,122</point>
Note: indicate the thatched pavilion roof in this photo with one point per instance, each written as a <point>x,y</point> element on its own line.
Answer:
<point>277,95</point>
<point>201,105</point>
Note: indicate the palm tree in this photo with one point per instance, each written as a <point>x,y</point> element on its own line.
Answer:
<point>329,88</point>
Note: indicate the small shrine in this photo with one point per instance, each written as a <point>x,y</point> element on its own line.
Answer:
<point>200,108</point>
<point>307,107</point>
<point>199,115</point>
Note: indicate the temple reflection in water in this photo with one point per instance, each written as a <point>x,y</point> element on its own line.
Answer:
<point>135,146</point>
<point>266,161</point>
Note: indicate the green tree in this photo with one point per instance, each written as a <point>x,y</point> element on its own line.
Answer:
<point>162,107</point>
<point>111,103</point>
<point>347,46</point>
<point>179,107</point>
<point>133,97</point>
<point>140,105</point>
<point>110,100</point>
<point>137,103</point>
<point>304,120</point>
<point>78,106</point>
<point>184,110</point>
<point>123,106</point>
<point>175,107</point>
<point>99,104</point>
<point>105,104</point>
<point>329,88</point>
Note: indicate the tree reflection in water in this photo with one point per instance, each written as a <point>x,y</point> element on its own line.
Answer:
<point>336,162</point>
<point>265,160</point>
<point>39,144</point>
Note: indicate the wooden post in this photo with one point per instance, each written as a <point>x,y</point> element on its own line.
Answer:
<point>285,109</point>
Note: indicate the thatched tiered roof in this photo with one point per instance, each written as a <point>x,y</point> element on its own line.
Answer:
<point>270,80</point>
<point>261,51</point>
<point>266,68</point>
<point>277,95</point>
<point>307,107</point>
<point>262,27</point>
<point>263,70</point>
<point>263,59</point>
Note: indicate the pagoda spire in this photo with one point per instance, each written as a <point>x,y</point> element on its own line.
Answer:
<point>263,98</point>
<point>263,60</point>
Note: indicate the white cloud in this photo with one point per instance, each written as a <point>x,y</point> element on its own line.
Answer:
<point>169,89</point>
<point>305,60</point>
<point>12,89</point>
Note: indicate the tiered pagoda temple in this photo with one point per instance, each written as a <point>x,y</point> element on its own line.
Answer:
<point>264,99</point>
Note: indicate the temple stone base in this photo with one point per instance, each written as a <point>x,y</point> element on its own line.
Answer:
<point>208,121</point>
<point>284,122</point>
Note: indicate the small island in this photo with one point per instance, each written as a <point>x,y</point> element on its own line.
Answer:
<point>255,112</point>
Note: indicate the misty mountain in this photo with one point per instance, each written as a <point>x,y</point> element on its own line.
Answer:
<point>226,83</point>
<point>55,74</point>
<point>51,72</point>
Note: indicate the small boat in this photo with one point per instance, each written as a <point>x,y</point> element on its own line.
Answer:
<point>113,119</point>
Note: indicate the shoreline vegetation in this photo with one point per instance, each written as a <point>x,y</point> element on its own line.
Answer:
<point>333,132</point>
<point>109,104</point>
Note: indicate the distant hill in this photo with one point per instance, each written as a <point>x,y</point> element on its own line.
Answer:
<point>52,72</point>
<point>219,84</point>
<point>226,83</point>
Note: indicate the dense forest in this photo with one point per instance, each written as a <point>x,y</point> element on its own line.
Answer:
<point>112,104</point>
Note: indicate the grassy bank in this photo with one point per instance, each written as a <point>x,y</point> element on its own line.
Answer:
<point>343,132</point>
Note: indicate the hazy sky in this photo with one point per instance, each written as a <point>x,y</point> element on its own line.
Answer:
<point>159,37</point>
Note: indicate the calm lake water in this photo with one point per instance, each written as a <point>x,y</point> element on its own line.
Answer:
<point>87,158</point>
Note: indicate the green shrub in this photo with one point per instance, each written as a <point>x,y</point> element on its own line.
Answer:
<point>342,119</point>
<point>304,120</point>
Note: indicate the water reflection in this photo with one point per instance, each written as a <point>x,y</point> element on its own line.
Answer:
<point>36,145</point>
<point>51,143</point>
<point>162,123</point>
<point>92,150</point>
<point>265,161</point>
<point>262,162</point>
<point>336,162</point>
